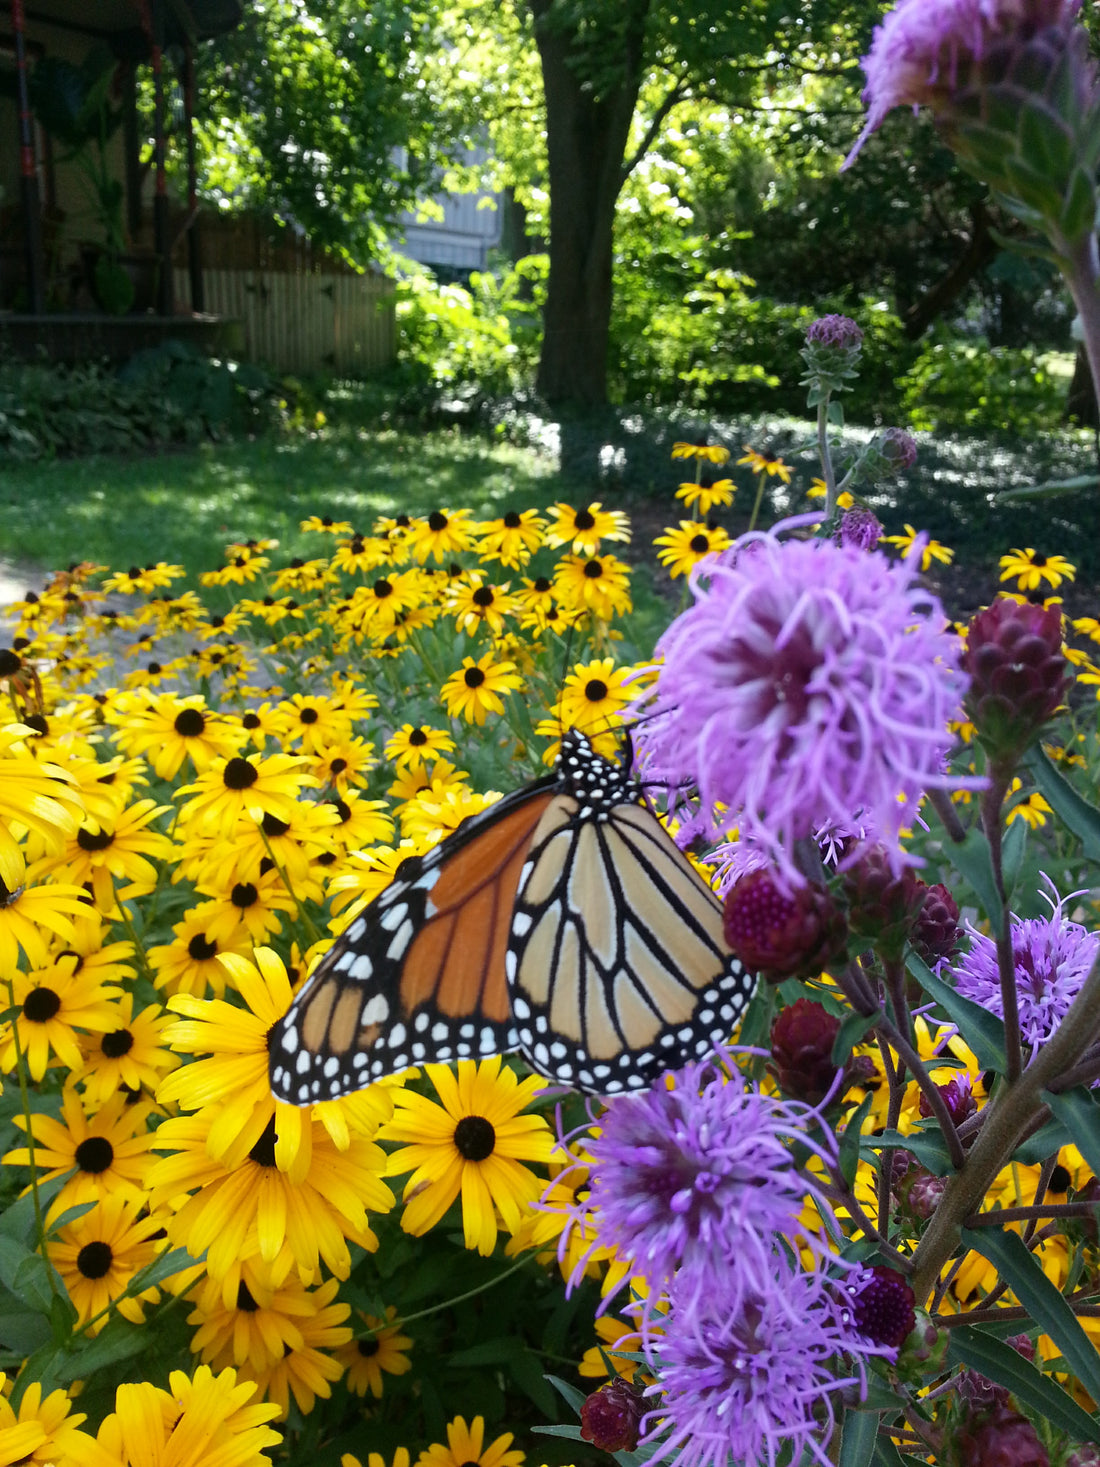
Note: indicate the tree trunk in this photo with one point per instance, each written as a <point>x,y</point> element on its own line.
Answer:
<point>980,252</point>
<point>586,136</point>
<point>1081,399</point>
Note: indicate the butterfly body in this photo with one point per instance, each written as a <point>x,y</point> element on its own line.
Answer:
<point>562,921</point>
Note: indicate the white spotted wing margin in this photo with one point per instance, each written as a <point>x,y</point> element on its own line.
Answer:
<point>418,975</point>
<point>618,969</point>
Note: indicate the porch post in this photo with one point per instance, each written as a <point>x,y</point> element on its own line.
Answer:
<point>28,178</point>
<point>194,238</point>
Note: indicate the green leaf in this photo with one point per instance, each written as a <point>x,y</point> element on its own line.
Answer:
<point>972,858</point>
<point>571,1395</point>
<point>1081,817</point>
<point>572,1432</point>
<point>850,1140</point>
<point>756,1024</point>
<point>489,1352</point>
<point>1012,855</point>
<point>983,1031</point>
<point>928,1147</point>
<point>526,1371</point>
<point>1023,1274</point>
<point>857,1438</point>
<point>1079,1112</point>
<point>119,1340</point>
<point>174,1261</point>
<point>1051,486</point>
<point>25,1333</point>
<point>851,1031</point>
<point>70,1215</point>
<point>1003,1364</point>
<point>1044,1143</point>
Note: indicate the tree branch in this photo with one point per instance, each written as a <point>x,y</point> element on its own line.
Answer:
<point>677,94</point>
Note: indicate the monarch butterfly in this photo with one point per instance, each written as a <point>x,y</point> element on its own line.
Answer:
<point>563,921</point>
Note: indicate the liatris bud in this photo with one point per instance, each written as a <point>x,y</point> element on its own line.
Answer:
<point>1085,1455</point>
<point>978,1391</point>
<point>923,1194</point>
<point>1018,674</point>
<point>924,1350</point>
<point>883,1306</point>
<point>1003,1439</point>
<point>888,453</point>
<point>935,932</point>
<point>901,1164</point>
<point>1023,1345</point>
<point>782,934</point>
<point>802,1045</point>
<point>833,344</point>
<point>882,906</point>
<point>859,528</point>
<point>957,1096</point>
<point>611,1417</point>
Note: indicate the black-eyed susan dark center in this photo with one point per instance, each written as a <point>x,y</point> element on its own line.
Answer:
<point>94,1155</point>
<point>367,1348</point>
<point>308,715</point>
<point>418,738</point>
<point>512,520</point>
<point>483,596</point>
<point>272,826</point>
<point>250,720</point>
<point>189,723</point>
<point>473,677</point>
<point>584,520</point>
<point>593,570</point>
<point>239,774</point>
<point>117,1043</point>
<point>1038,558</point>
<point>94,1260</point>
<point>338,765</point>
<point>1060,1180</point>
<point>595,690</point>
<point>700,544</point>
<point>244,895</point>
<point>542,585</point>
<point>343,809</point>
<point>10,662</point>
<point>40,1005</point>
<point>437,521</point>
<point>97,840</point>
<point>382,589</point>
<point>245,1301</point>
<point>201,948</point>
<point>475,1138</point>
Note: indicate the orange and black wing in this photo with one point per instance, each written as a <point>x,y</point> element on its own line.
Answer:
<point>419,975</point>
<point>618,968</point>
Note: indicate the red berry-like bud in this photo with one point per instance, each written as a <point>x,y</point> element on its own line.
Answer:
<point>783,934</point>
<point>1018,674</point>
<point>936,929</point>
<point>611,1417</point>
<point>957,1096</point>
<point>924,1194</point>
<point>882,905</point>
<point>884,1307</point>
<point>1004,1439</point>
<point>802,1045</point>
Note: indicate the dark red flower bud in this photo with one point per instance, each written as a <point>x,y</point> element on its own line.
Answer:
<point>611,1417</point>
<point>1004,1439</point>
<point>802,1045</point>
<point>935,932</point>
<point>1018,672</point>
<point>957,1096</point>
<point>978,1391</point>
<point>783,934</point>
<point>882,905</point>
<point>1023,1345</point>
<point>884,1307</point>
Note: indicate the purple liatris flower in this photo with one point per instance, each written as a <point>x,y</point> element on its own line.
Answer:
<point>859,528</point>
<point>700,1180</point>
<point>752,1378</point>
<point>1053,956</point>
<point>809,686</point>
<point>837,331</point>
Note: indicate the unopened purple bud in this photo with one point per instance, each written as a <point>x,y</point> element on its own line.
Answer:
<point>860,528</point>
<point>925,1194</point>
<point>840,332</point>
<point>898,448</point>
<point>957,1096</point>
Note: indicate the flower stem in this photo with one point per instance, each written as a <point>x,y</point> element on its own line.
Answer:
<point>828,473</point>
<point>1081,268</point>
<point>760,479</point>
<point>992,802</point>
<point>405,1319</point>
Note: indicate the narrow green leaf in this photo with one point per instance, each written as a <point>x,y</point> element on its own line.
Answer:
<point>25,1333</point>
<point>1012,855</point>
<point>1079,1112</point>
<point>973,859</point>
<point>13,1255</point>
<point>1051,486</point>
<point>18,1221</point>
<point>570,1394</point>
<point>1044,1143</point>
<point>851,1031</point>
<point>572,1432</point>
<point>70,1215</point>
<point>857,1438</point>
<point>1001,1363</point>
<point>1081,817</point>
<point>850,1141</point>
<point>983,1031</point>
<point>43,1368</point>
<point>31,1283</point>
<point>928,1147</point>
<point>526,1371</point>
<point>758,1017</point>
<point>1023,1274</point>
<point>120,1340</point>
<point>489,1352</point>
<point>174,1261</point>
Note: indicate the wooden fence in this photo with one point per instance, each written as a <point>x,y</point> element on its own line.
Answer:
<point>301,310</point>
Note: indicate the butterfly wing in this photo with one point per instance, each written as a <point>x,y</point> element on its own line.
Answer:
<point>618,969</point>
<point>420,973</point>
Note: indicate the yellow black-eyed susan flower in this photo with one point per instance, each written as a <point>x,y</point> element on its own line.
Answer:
<point>933,550</point>
<point>133,1056</point>
<point>593,694</point>
<point>702,498</point>
<point>26,908</point>
<point>711,453</point>
<point>98,1255</point>
<point>473,1145</point>
<point>216,1420</point>
<point>412,744</point>
<point>107,1152</point>
<point>1032,568</point>
<point>759,463</point>
<point>379,1350</point>
<point>171,728</point>
<point>193,961</point>
<point>52,1003</point>
<point>444,532</point>
<point>41,1431</point>
<point>466,1448</point>
<point>307,1369</point>
<point>599,584</point>
<point>512,539</point>
<point>249,784</point>
<point>476,603</point>
<point>583,529</point>
<point>475,689</point>
<point>682,549</point>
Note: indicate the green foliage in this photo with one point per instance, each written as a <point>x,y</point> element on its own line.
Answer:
<point>485,337</point>
<point>969,386</point>
<point>167,394</point>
